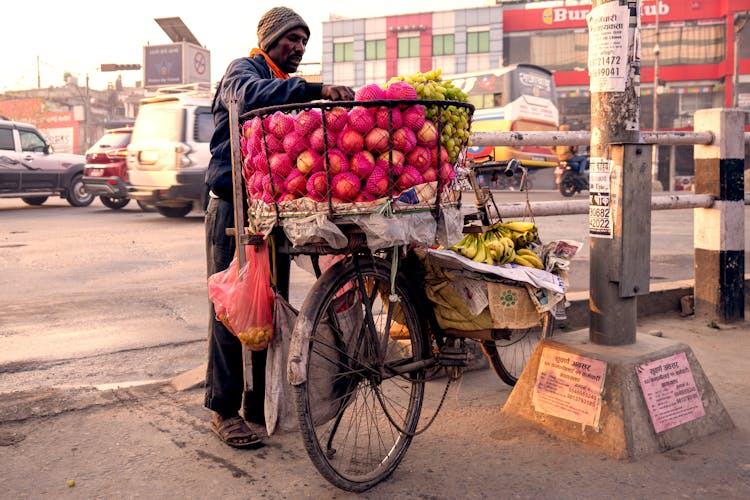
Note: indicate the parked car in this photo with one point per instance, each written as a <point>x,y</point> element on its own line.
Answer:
<point>32,171</point>
<point>106,172</point>
<point>169,151</point>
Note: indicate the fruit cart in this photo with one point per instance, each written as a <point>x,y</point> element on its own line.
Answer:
<point>379,216</point>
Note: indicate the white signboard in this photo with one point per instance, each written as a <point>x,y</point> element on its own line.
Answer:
<point>569,386</point>
<point>608,47</point>
<point>62,139</point>
<point>601,219</point>
<point>670,392</point>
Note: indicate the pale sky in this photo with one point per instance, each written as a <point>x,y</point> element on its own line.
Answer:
<point>79,35</point>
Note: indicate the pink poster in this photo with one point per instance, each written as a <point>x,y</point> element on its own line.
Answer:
<point>670,392</point>
<point>569,386</point>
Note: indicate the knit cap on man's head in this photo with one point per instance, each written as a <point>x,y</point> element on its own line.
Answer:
<point>275,23</point>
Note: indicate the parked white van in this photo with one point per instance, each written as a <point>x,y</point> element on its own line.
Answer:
<point>169,151</point>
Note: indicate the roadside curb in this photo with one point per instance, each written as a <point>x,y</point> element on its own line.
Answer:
<point>24,405</point>
<point>663,298</point>
<point>47,402</point>
<point>191,379</point>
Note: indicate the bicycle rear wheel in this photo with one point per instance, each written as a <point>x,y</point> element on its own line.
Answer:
<point>360,405</point>
<point>508,356</point>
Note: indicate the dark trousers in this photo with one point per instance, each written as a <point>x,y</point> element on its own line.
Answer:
<point>225,384</point>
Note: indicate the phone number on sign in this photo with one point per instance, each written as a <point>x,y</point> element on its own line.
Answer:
<point>604,71</point>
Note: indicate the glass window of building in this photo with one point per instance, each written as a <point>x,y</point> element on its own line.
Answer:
<point>343,51</point>
<point>516,48</point>
<point>477,42</point>
<point>443,45</point>
<point>408,46</point>
<point>374,50</point>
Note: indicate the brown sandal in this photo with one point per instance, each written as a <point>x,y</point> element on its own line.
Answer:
<point>235,432</point>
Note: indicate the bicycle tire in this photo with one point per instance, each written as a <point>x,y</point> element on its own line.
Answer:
<point>508,357</point>
<point>358,434</point>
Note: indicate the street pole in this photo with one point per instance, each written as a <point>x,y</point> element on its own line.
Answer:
<point>740,20</point>
<point>655,150</point>
<point>615,119</point>
<point>86,115</point>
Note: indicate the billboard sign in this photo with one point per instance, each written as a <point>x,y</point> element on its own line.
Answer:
<point>175,64</point>
<point>162,65</point>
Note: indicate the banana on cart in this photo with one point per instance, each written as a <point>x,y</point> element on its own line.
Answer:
<point>503,243</point>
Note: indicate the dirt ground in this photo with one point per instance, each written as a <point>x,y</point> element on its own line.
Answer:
<point>153,441</point>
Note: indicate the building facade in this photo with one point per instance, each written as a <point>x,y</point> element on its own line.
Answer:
<point>700,42</point>
<point>360,51</point>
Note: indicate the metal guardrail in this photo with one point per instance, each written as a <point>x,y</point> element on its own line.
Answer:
<point>573,138</point>
<point>584,137</point>
<point>575,207</point>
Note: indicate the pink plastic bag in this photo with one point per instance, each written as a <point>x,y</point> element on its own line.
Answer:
<point>243,298</point>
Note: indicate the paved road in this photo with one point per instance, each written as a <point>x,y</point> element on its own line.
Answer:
<point>96,296</point>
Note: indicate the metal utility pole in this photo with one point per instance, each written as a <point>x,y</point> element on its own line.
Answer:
<point>614,71</point>
<point>86,113</point>
<point>740,20</point>
<point>655,151</point>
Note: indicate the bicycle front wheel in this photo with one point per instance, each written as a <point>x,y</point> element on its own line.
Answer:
<point>509,355</point>
<point>359,408</point>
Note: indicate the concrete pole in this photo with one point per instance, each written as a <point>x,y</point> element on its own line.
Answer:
<point>86,113</point>
<point>740,20</point>
<point>655,150</point>
<point>615,119</point>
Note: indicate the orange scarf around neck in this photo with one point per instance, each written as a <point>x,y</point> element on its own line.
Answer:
<point>275,69</point>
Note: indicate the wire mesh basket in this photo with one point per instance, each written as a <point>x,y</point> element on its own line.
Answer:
<point>352,158</point>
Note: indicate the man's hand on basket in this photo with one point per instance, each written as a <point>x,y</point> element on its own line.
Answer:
<point>337,93</point>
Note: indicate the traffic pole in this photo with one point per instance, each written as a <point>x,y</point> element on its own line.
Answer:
<point>614,70</point>
<point>629,402</point>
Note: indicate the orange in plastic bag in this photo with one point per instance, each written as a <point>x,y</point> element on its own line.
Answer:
<point>243,298</point>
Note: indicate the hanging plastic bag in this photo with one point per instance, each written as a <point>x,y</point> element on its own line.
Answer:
<point>243,298</point>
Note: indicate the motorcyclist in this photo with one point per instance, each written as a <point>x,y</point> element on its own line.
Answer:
<point>569,154</point>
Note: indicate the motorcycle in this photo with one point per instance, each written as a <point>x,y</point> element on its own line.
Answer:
<point>568,179</point>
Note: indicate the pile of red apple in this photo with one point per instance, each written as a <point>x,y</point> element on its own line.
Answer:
<point>288,159</point>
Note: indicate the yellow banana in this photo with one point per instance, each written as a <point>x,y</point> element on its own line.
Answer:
<point>481,254</point>
<point>519,226</point>
<point>520,260</point>
<point>530,237</point>
<point>510,253</point>
<point>488,259</point>
<point>498,250</point>
<point>529,257</point>
<point>492,252</point>
<point>471,248</point>
<point>535,260</point>
<point>458,247</point>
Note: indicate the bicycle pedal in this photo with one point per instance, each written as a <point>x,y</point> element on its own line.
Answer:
<point>454,356</point>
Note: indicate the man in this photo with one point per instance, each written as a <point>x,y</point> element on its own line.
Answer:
<point>569,154</point>
<point>257,81</point>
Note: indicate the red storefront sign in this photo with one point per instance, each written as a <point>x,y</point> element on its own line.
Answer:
<point>575,16</point>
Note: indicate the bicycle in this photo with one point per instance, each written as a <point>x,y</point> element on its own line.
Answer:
<point>365,343</point>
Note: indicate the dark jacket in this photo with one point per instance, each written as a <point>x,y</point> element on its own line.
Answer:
<point>250,81</point>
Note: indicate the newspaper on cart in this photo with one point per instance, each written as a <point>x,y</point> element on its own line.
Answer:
<point>481,286</point>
